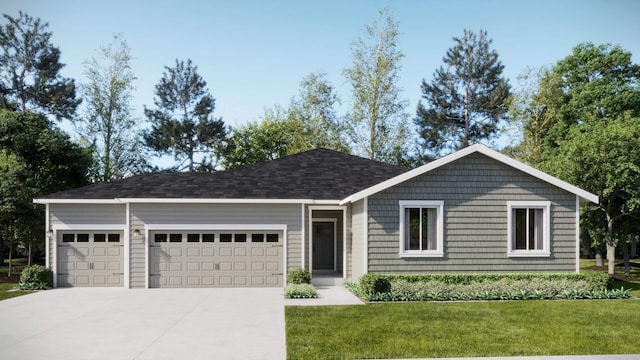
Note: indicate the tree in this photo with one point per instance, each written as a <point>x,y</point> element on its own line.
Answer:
<point>30,70</point>
<point>182,123</point>
<point>603,157</point>
<point>275,136</point>
<point>36,159</point>
<point>376,123</point>
<point>585,132</point>
<point>466,98</point>
<point>109,123</point>
<point>314,112</point>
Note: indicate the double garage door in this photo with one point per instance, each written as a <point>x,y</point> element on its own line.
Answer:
<point>90,258</point>
<point>215,258</point>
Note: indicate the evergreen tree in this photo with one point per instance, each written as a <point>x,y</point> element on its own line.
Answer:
<point>465,100</point>
<point>182,124</point>
<point>30,70</point>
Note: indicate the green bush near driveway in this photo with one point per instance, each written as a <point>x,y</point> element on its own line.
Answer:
<point>299,276</point>
<point>463,329</point>
<point>300,291</point>
<point>35,277</point>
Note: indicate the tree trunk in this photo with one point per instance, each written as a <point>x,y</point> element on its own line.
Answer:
<point>611,258</point>
<point>587,242</point>
<point>10,247</point>
<point>599,259</point>
<point>1,246</point>
<point>625,256</point>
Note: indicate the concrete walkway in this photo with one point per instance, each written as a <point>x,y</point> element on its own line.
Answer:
<point>328,295</point>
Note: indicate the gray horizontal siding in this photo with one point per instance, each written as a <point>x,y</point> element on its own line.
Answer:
<point>212,214</point>
<point>111,214</point>
<point>475,191</point>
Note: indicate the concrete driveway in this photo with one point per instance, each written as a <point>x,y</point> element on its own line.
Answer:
<point>95,323</point>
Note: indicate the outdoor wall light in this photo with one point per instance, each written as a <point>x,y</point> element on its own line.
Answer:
<point>137,232</point>
<point>49,234</point>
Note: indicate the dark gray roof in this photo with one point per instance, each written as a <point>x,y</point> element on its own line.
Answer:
<point>319,174</point>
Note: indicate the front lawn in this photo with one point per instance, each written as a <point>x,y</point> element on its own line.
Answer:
<point>631,281</point>
<point>8,283</point>
<point>463,329</point>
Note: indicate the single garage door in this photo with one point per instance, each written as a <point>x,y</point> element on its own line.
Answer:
<point>216,259</point>
<point>90,258</point>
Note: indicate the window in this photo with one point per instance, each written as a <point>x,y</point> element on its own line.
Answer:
<point>421,228</point>
<point>82,238</point>
<point>225,237</point>
<point>257,238</point>
<point>528,228</point>
<point>160,238</point>
<point>272,238</point>
<point>68,237</point>
<point>240,238</point>
<point>193,237</point>
<point>208,237</point>
<point>175,238</point>
<point>99,237</point>
<point>114,238</point>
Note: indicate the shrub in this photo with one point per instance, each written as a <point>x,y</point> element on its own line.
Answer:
<point>300,291</point>
<point>371,284</point>
<point>36,274</point>
<point>299,276</point>
<point>439,287</point>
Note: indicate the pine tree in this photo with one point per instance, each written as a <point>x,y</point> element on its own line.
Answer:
<point>466,99</point>
<point>182,124</point>
<point>30,70</point>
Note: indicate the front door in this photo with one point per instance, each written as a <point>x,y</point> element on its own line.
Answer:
<point>324,240</point>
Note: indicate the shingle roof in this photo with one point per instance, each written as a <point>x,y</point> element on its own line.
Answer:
<point>319,174</point>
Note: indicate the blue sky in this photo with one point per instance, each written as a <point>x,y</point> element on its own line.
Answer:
<point>253,54</point>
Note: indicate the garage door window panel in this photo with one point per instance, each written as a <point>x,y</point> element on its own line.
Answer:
<point>208,237</point>
<point>82,238</point>
<point>175,238</point>
<point>114,238</point>
<point>272,238</point>
<point>257,238</point>
<point>240,238</point>
<point>160,238</point>
<point>99,238</point>
<point>193,238</point>
<point>67,238</point>
<point>225,238</point>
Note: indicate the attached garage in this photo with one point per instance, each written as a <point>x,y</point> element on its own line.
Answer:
<point>222,258</point>
<point>89,258</point>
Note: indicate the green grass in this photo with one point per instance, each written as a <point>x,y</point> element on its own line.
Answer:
<point>8,284</point>
<point>463,329</point>
<point>5,292</point>
<point>630,283</point>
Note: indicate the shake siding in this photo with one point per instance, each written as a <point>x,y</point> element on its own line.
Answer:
<point>210,214</point>
<point>475,191</point>
<point>356,253</point>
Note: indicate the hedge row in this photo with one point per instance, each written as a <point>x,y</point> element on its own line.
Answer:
<point>421,287</point>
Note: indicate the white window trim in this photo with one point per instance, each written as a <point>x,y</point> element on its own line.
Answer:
<point>439,205</point>
<point>546,233</point>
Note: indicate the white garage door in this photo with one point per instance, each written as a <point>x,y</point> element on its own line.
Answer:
<point>216,258</point>
<point>90,258</point>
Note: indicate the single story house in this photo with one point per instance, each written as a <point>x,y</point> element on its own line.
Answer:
<point>475,210</point>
